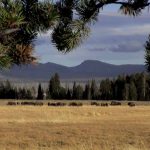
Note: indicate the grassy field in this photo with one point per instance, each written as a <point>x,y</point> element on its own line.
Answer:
<point>74,128</point>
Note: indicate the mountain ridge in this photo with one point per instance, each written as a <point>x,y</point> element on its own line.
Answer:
<point>86,69</point>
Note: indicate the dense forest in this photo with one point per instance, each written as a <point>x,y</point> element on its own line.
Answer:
<point>124,87</point>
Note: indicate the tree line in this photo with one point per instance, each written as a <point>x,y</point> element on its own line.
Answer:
<point>124,87</point>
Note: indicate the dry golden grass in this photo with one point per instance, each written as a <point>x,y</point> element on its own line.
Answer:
<point>74,128</point>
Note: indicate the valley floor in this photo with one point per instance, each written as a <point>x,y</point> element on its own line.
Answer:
<point>74,128</point>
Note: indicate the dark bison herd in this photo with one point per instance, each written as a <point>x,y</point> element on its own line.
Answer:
<point>26,103</point>
<point>113,103</point>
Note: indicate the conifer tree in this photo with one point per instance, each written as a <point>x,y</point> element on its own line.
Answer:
<point>94,90</point>
<point>79,92</point>
<point>74,91</point>
<point>106,90</point>
<point>40,95</point>
<point>62,93</point>
<point>132,91</point>
<point>54,86</point>
<point>68,94</point>
<point>87,92</point>
<point>147,54</point>
<point>126,92</point>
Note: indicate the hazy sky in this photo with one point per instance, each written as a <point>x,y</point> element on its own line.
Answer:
<point>115,39</point>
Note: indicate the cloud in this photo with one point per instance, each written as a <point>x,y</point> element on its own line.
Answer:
<point>129,47</point>
<point>114,38</point>
<point>130,30</point>
<point>97,49</point>
<point>125,47</point>
<point>119,34</point>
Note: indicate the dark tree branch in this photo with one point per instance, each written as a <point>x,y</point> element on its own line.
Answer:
<point>101,4</point>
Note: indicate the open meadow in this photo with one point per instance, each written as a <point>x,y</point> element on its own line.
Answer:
<point>74,128</point>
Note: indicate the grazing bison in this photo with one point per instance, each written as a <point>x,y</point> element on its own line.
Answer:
<point>32,103</point>
<point>75,104</point>
<point>52,104</point>
<point>57,104</point>
<point>28,103</point>
<point>60,104</point>
<point>95,104</point>
<point>115,103</point>
<point>11,103</point>
<point>104,104</point>
<point>131,104</point>
<point>18,103</point>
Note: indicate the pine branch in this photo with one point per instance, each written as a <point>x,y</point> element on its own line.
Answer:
<point>101,4</point>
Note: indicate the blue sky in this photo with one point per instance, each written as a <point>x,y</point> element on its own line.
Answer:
<point>115,39</point>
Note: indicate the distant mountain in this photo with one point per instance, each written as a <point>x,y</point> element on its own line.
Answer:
<point>87,69</point>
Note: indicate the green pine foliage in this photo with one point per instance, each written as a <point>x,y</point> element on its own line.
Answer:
<point>20,23</point>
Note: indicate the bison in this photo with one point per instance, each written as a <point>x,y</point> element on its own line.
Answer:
<point>95,104</point>
<point>11,103</point>
<point>131,104</point>
<point>104,104</point>
<point>75,104</point>
<point>57,104</point>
